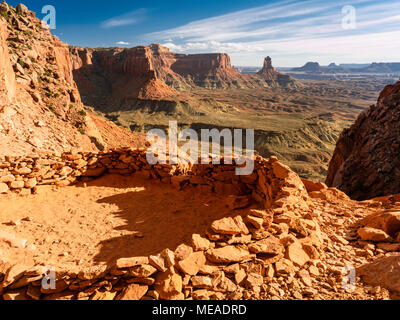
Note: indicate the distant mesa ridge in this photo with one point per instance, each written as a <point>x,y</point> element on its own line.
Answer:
<point>315,67</point>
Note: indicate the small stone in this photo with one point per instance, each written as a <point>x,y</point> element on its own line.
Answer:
<point>7,178</point>
<point>284,266</point>
<point>22,9</point>
<point>256,222</point>
<point>339,239</point>
<point>131,262</point>
<point>192,264</point>
<point>270,245</point>
<point>38,123</point>
<point>142,271</point>
<point>199,243</point>
<point>230,226</point>
<point>297,295</point>
<point>202,282</point>
<point>17,184</point>
<point>34,292</point>
<point>22,171</point>
<point>240,275</point>
<point>158,262</point>
<point>305,277</point>
<point>133,292</point>
<point>169,285</point>
<point>389,247</point>
<point>13,274</point>
<point>297,255</point>
<point>254,280</point>
<point>182,252</point>
<point>169,257</point>
<point>228,254</point>
<point>313,271</point>
<point>3,188</point>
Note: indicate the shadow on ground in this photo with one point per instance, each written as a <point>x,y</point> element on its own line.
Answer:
<point>157,216</point>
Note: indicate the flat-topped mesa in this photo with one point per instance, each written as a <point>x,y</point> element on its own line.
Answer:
<point>366,161</point>
<point>177,70</point>
<point>192,68</point>
<point>312,67</point>
<point>204,64</point>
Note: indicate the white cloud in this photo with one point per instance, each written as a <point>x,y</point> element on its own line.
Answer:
<point>122,43</point>
<point>125,20</point>
<point>262,21</point>
<point>174,47</point>
<point>294,30</point>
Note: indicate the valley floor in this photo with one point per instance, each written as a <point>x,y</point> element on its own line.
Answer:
<point>300,126</point>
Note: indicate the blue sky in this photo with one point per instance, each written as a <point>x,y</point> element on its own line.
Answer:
<point>292,32</point>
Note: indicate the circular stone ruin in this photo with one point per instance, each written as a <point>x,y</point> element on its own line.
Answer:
<point>112,226</point>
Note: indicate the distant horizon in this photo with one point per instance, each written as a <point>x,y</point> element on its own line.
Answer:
<point>249,66</point>
<point>292,32</point>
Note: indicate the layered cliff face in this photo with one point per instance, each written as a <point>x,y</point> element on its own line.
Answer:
<point>122,75</point>
<point>209,71</point>
<point>120,78</point>
<point>366,161</point>
<point>40,106</point>
<point>7,78</point>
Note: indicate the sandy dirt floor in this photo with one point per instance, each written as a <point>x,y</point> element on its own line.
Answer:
<point>110,218</point>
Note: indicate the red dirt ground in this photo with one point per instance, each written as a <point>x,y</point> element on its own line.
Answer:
<point>113,217</point>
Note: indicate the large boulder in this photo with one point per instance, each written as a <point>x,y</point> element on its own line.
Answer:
<point>371,234</point>
<point>384,272</point>
<point>388,221</point>
<point>22,9</point>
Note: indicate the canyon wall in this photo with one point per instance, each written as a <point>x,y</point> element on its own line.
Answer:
<point>40,105</point>
<point>7,77</point>
<point>118,78</point>
<point>39,102</point>
<point>366,161</point>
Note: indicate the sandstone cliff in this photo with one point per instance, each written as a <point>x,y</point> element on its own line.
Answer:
<point>366,161</point>
<point>113,79</point>
<point>117,77</point>
<point>122,76</point>
<point>7,78</point>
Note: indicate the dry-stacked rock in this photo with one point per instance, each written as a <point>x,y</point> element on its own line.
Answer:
<point>232,262</point>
